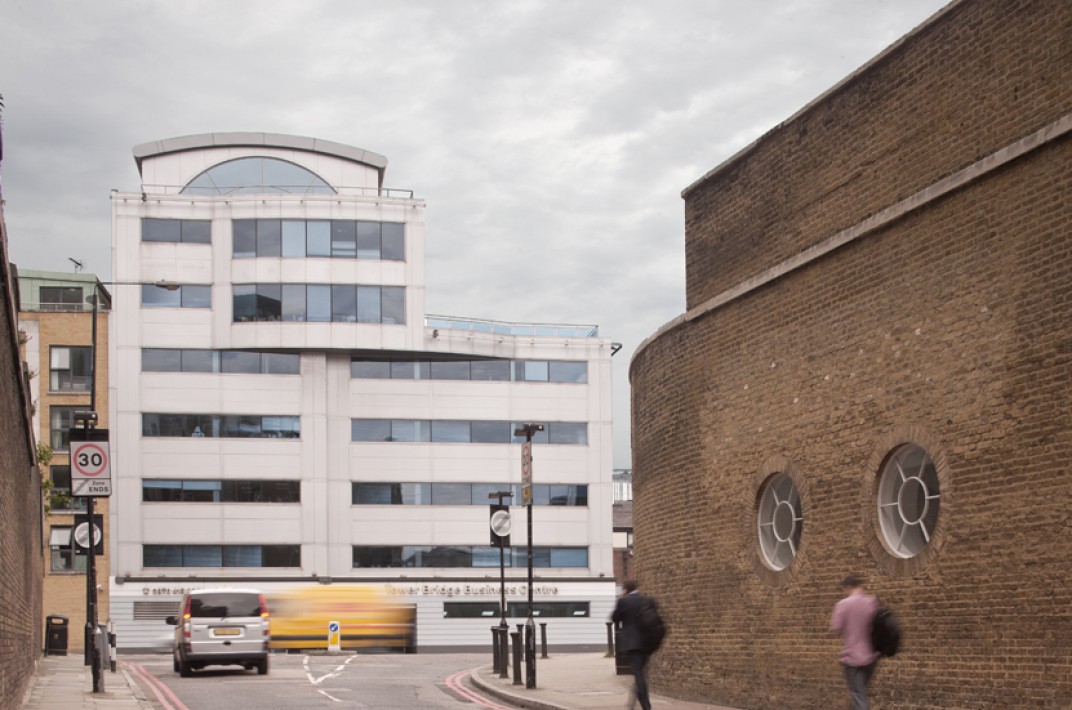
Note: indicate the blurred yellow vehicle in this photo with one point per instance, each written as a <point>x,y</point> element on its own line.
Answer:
<point>367,619</point>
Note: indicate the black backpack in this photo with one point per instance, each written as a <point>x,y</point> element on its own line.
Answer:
<point>650,625</point>
<point>885,632</point>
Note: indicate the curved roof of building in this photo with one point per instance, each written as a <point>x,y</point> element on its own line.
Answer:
<point>266,140</point>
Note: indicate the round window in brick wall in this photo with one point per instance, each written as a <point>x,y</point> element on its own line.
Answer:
<point>908,500</point>
<point>781,521</point>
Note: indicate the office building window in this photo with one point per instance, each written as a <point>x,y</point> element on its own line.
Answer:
<point>338,303</point>
<point>340,239</point>
<point>61,419</point>
<point>181,296</point>
<point>224,426</point>
<point>221,555</point>
<point>190,231</point>
<point>225,361</point>
<point>220,491</point>
<point>464,493</point>
<point>466,556</point>
<point>70,369</point>
<point>64,555</point>
<point>567,371</point>
<point>257,176</point>
<point>463,432</point>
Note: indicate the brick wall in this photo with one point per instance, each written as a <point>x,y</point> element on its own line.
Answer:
<point>947,328</point>
<point>21,554</point>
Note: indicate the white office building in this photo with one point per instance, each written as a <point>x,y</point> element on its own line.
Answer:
<point>284,412</point>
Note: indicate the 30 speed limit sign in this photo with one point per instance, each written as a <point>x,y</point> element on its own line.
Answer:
<point>91,474</point>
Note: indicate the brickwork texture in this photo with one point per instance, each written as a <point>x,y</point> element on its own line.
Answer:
<point>947,328</point>
<point>21,510</point>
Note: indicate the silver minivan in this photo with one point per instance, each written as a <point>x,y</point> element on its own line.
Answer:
<point>221,627</point>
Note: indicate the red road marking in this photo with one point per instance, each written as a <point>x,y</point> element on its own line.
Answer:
<point>157,686</point>
<point>454,682</point>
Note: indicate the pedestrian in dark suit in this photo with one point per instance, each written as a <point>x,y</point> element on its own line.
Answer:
<point>625,613</point>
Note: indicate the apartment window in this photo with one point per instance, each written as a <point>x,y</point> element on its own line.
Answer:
<point>466,556</point>
<point>61,298</point>
<point>463,431</point>
<point>61,420</point>
<point>463,493</point>
<point>61,490</point>
<point>339,303</point>
<point>183,296</point>
<point>908,500</point>
<point>341,239</point>
<point>190,231</point>
<point>70,369</point>
<point>64,555</point>
<point>228,426</point>
<point>567,371</point>
<point>221,555</point>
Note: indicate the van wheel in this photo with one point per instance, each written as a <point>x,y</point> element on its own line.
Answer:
<point>185,670</point>
<point>262,666</point>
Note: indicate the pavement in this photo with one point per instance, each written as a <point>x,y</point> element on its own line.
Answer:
<point>565,681</point>
<point>66,683</point>
<point>575,681</point>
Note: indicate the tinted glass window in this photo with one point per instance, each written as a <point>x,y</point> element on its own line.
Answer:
<point>161,230</point>
<point>370,369</point>
<point>244,233</point>
<point>269,302</point>
<point>280,363</point>
<point>200,361</point>
<point>532,370</point>
<point>293,308</point>
<point>159,360</point>
<point>393,304</point>
<point>241,362</point>
<point>268,237</point>
<point>491,432</point>
<point>195,296</point>
<point>156,297</point>
<point>370,430</point>
<point>392,243</point>
<point>410,430</point>
<point>567,433</point>
<point>197,231</point>
<point>343,239</point>
<point>318,303</point>
<point>245,302</point>
<point>561,371</point>
<point>450,370</point>
<point>293,238</point>
<point>450,431</point>
<point>368,240</point>
<point>498,370</point>
<point>343,304</point>
<point>368,304</point>
<point>224,604</point>
<point>318,239</point>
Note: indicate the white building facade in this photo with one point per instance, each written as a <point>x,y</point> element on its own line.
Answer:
<point>285,413</point>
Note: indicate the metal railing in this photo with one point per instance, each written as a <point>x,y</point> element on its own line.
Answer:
<point>157,190</point>
<point>478,325</point>
<point>47,307</point>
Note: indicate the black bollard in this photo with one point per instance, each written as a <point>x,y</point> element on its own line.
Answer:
<point>610,639</point>
<point>504,651</point>
<point>530,654</point>
<point>496,661</point>
<point>516,637</point>
<point>543,639</point>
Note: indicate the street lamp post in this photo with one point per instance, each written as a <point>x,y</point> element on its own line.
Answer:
<point>527,430</point>
<point>500,527</point>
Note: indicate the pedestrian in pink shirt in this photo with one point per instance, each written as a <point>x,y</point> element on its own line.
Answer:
<point>851,622</point>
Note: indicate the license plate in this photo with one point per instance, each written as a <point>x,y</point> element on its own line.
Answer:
<point>226,632</point>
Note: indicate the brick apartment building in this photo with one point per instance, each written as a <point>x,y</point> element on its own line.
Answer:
<point>56,320</point>
<point>873,376</point>
<point>21,634</point>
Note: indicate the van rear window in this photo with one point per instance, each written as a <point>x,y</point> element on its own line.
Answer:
<point>224,604</point>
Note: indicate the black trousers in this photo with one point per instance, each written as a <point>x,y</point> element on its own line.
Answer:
<point>638,660</point>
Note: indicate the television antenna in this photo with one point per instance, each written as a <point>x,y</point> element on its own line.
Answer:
<point>78,265</point>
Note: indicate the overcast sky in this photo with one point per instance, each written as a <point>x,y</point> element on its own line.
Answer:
<point>550,140</point>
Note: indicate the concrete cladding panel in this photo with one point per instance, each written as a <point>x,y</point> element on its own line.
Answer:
<point>946,328</point>
<point>980,76</point>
